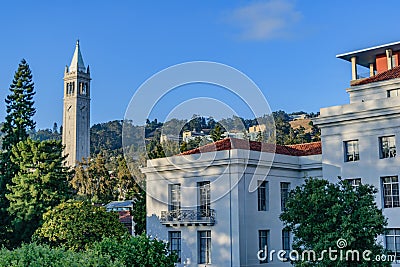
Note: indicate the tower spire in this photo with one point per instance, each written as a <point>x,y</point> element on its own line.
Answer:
<point>77,63</point>
<point>76,115</point>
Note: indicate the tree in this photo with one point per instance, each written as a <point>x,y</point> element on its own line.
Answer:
<point>140,251</point>
<point>154,148</point>
<point>40,184</point>
<point>216,133</point>
<point>55,128</point>
<point>282,127</point>
<point>139,211</point>
<point>77,225</point>
<point>18,121</point>
<point>42,255</point>
<point>92,181</point>
<point>320,213</point>
<point>259,137</point>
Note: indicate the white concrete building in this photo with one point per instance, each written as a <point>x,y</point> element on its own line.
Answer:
<point>359,143</point>
<point>359,139</point>
<point>206,211</point>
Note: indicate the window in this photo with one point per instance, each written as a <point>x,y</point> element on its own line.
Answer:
<point>387,147</point>
<point>204,247</point>
<point>286,242</point>
<point>392,240</point>
<point>355,182</point>
<point>175,197</point>
<point>262,195</point>
<point>263,244</point>
<point>175,243</point>
<point>393,93</point>
<point>285,187</point>
<point>351,150</point>
<point>204,199</point>
<point>390,191</point>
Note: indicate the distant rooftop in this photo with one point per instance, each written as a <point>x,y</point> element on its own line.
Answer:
<point>119,204</point>
<point>306,149</point>
<point>367,56</point>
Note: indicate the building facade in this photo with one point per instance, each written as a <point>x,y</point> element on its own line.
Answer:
<point>359,139</point>
<point>76,113</point>
<point>208,212</point>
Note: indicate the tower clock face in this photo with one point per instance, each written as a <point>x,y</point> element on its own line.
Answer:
<point>69,108</point>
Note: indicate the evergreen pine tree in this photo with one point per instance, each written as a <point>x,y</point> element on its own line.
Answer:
<point>18,121</point>
<point>40,184</point>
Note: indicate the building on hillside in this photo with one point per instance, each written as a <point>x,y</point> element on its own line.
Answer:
<point>204,134</point>
<point>256,130</point>
<point>359,139</point>
<point>169,137</point>
<point>205,221</point>
<point>76,113</point>
<point>295,117</point>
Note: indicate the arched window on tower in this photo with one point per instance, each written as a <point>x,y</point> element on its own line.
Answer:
<point>69,88</point>
<point>84,89</point>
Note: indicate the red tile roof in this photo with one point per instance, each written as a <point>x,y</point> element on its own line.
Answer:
<point>307,149</point>
<point>383,76</point>
<point>125,216</point>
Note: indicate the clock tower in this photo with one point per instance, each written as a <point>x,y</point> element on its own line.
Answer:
<point>76,115</point>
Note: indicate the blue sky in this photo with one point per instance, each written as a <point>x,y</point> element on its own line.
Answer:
<point>286,47</point>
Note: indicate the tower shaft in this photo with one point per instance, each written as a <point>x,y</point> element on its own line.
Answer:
<point>76,115</point>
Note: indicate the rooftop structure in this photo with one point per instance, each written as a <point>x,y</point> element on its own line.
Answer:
<point>378,59</point>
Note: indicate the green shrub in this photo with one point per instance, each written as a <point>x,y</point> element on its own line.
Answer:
<point>34,255</point>
<point>138,251</point>
<point>76,225</point>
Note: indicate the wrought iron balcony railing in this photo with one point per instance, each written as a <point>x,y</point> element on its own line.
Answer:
<point>188,217</point>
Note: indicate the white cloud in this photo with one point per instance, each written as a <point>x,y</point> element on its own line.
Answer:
<point>272,19</point>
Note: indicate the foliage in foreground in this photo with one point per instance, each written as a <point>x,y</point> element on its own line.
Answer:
<point>18,121</point>
<point>320,213</point>
<point>40,184</point>
<point>138,251</point>
<point>76,225</point>
<point>42,255</point>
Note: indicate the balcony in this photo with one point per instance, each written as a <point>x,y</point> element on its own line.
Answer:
<point>188,217</point>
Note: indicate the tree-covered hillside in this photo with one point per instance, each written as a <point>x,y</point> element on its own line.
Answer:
<point>106,138</point>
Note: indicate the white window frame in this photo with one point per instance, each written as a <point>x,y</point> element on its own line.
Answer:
<point>263,196</point>
<point>263,241</point>
<point>354,182</point>
<point>387,147</point>
<point>351,150</point>
<point>286,242</point>
<point>204,242</point>
<point>204,198</point>
<point>390,192</point>
<point>392,243</point>
<point>175,197</point>
<point>175,243</point>
<point>284,194</point>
